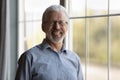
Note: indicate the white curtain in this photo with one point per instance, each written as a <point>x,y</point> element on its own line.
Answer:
<point>2,38</point>
<point>8,39</point>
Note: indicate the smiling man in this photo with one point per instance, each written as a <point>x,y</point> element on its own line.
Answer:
<point>50,60</point>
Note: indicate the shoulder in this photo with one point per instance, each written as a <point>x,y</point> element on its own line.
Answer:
<point>34,50</point>
<point>73,54</point>
<point>73,58</point>
<point>30,53</point>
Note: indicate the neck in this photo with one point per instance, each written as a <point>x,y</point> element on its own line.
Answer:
<point>55,46</point>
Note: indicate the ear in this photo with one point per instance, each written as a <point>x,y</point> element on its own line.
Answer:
<point>43,27</point>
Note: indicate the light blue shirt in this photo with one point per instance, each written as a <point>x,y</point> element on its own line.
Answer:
<point>43,63</point>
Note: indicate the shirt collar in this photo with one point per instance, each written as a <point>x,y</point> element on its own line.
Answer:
<point>45,45</point>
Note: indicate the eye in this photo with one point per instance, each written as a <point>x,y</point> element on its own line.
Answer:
<point>62,23</point>
<point>52,23</point>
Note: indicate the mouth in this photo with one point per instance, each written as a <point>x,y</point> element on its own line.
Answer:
<point>56,36</point>
<point>57,33</point>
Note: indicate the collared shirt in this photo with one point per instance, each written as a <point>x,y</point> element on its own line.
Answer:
<point>43,63</point>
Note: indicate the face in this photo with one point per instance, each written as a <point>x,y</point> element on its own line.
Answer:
<point>55,27</point>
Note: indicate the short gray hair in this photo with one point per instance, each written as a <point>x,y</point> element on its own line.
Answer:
<point>53,8</point>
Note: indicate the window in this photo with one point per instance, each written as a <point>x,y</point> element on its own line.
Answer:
<point>30,15</point>
<point>96,35</point>
<point>95,31</point>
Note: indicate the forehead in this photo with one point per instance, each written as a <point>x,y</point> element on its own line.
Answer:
<point>57,15</point>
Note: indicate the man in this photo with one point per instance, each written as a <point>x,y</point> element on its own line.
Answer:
<point>50,60</point>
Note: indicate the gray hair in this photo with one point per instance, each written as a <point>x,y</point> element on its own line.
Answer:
<point>52,9</point>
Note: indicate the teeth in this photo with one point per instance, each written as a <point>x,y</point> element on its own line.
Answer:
<point>56,32</point>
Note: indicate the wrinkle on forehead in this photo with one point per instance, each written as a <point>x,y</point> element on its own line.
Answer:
<point>57,15</point>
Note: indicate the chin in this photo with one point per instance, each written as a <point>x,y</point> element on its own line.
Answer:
<point>56,40</point>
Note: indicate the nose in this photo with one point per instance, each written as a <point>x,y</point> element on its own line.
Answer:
<point>56,25</point>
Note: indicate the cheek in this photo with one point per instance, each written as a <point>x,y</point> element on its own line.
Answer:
<point>65,29</point>
<point>47,29</point>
